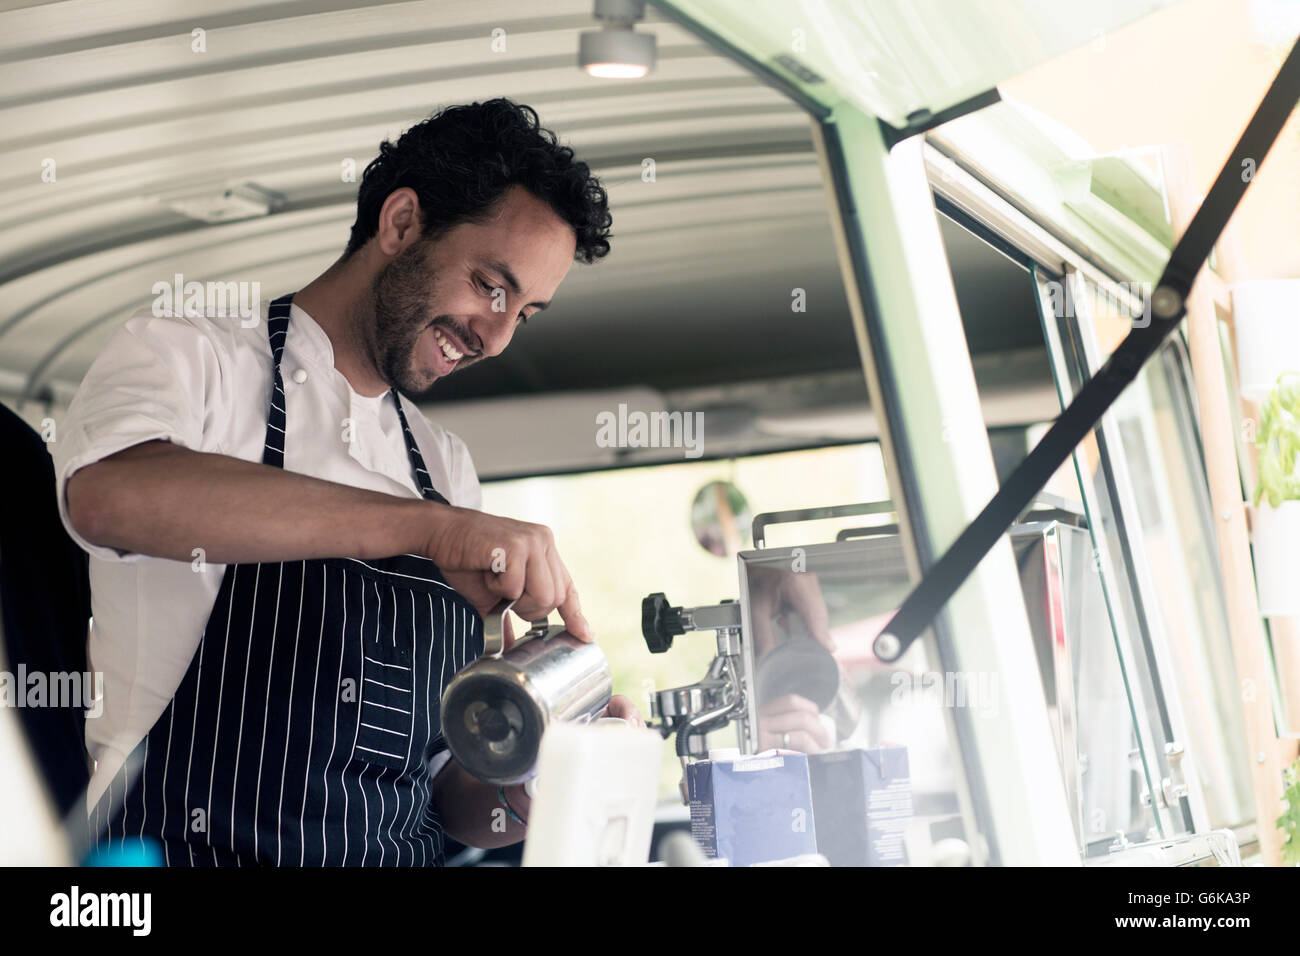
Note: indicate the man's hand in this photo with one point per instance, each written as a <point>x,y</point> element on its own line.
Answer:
<point>623,708</point>
<point>489,559</point>
<point>792,723</point>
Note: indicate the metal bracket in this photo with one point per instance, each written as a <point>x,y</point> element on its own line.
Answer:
<point>1174,785</point>
<point>768,518</point>
<point>923,120</point>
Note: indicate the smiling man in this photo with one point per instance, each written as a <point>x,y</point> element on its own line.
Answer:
<point>289,562</point>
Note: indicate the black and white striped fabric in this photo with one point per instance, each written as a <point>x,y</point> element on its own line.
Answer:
<point>302,730</point>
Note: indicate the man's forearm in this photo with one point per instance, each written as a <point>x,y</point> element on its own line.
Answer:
<point>471,813</point>
<point>165,501</point>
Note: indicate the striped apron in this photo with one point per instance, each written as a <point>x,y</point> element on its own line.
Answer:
<point>302,730</point>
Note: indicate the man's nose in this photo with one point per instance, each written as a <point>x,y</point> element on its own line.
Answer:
<point>494,330</point>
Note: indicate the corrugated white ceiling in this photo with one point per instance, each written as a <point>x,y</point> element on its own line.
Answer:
<point>115,99</point>
<point>284,93</point>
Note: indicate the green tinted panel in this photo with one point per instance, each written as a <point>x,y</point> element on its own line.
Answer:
<point>895,57</point>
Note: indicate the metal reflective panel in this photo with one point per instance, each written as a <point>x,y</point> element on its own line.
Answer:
<point>847,589</point>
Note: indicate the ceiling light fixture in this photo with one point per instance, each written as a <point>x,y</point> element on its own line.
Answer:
<point>617,51</point>
<point>228,204</point>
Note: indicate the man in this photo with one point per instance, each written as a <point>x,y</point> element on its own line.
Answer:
<point>288,560</point>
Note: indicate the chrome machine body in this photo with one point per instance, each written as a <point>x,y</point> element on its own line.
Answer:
<point>723,696</point>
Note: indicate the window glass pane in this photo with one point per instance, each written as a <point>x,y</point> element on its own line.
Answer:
<point>1156,509</point>
<point>1157,431</point>
<point>1117,651</point>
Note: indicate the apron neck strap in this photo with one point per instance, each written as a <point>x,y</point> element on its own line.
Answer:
<point>277,331</point>
<point>422,479</point>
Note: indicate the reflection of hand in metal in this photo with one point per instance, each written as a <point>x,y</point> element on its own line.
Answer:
<point>623,708</point>
<point>792,723</point>
<point>776,592</point>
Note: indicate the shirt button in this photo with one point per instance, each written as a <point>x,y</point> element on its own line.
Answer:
<point>300,376</point>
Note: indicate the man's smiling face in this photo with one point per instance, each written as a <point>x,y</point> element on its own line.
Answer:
<point>443,304</point>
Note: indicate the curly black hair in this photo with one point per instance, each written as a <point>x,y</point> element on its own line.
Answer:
<point>462,159</point>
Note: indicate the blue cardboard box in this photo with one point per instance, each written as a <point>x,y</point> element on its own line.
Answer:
<point>753,809</point>
<point>862,803</point>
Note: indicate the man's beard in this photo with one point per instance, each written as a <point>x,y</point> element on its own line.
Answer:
<point>401,300</point>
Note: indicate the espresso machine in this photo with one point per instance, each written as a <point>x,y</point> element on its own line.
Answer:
<point>765,651</point>
<point>721,697</point>
<point>789,660</point>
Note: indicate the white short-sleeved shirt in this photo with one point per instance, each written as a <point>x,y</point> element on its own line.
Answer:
<point>205,383</point>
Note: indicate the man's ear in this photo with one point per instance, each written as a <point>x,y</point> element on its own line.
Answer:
<point>400,222</point>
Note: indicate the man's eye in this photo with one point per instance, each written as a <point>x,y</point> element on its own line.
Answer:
<point>523,319</point>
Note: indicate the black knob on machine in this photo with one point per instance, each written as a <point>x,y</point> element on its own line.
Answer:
<point>660,622</point>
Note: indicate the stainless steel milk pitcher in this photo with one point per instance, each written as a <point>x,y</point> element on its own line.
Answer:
<point>495,710</point>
